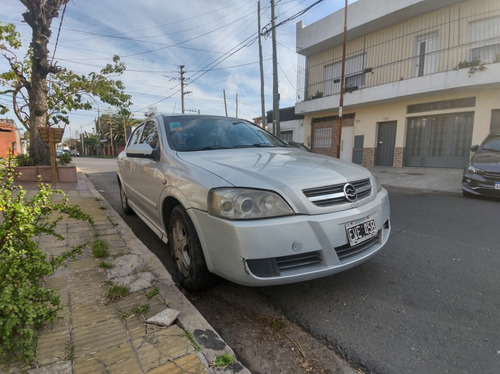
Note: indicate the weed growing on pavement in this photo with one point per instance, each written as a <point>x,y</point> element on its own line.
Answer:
<point>70,351</point>
<point>278,323</point>
<point>193,342</point>
<point>223,361</point>
<point>138,310</point>
<point>117,292</point>
<point>99,248</point>
<point>25,305</point>
<point>106,265</point>
<point>154,291</point>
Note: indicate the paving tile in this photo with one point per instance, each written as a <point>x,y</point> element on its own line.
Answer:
<point>162,346</point>
<point>118,359</point>
<point>186,364</point>
<point>52,347</point>
<point>92,313</point>
<point>99,336</point>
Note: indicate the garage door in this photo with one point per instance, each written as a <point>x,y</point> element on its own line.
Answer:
<point>439,141</point>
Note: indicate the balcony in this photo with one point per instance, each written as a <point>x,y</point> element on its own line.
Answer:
<point>487,76</point>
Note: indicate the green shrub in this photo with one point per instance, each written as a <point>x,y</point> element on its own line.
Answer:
<point>64,159</point>
<point>24,160</point>
<point>25,305</point>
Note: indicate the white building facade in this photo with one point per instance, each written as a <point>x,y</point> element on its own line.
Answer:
<point>422,81</point>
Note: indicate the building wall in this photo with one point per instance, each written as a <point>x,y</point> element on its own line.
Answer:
<point>391,55</point>
<point>393,81</point>
<point>9,137</point>
<point>367,118</point>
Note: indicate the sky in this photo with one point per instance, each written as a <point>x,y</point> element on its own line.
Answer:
<point>215,40</point>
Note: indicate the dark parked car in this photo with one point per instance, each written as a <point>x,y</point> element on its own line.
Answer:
<point>482,174</point>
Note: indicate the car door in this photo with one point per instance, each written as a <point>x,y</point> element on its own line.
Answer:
<point>147,179</point>
<point>127,166</point>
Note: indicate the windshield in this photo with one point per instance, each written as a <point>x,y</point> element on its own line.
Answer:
<point>199,133</point>
<point>492,144</point>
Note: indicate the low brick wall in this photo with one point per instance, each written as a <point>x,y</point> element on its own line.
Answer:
<point>65,174</point>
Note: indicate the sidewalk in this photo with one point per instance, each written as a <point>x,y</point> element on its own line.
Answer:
<point>97,335</point>
<point>425,179</point>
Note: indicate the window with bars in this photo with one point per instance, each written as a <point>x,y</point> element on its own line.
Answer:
<point>354,74</point>
<point>485,38</point>
<point>287,135</point>
<point>323,138</point>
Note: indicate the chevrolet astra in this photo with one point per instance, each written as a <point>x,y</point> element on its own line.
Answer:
<point>231,200</point>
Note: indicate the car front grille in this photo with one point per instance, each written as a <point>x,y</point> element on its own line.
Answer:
<point>274,267</point>
<point>348,250</point>
<point>492,175</point>
<point>334,194</point>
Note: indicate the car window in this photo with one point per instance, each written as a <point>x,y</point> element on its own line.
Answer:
<point>211,133</point>
<point>492,145</point>
<point>150,134</point>
<point>136,135</point>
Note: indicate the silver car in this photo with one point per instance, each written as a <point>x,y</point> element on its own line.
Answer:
<point>232,200</point>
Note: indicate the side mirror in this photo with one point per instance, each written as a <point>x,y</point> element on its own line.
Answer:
<point>143,151</point>
<point>474,148</point>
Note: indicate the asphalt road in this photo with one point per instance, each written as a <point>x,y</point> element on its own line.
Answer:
<point>428,303</point>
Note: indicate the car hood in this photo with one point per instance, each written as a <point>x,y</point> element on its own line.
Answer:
<point>285,170</point>
<point>487,161</point>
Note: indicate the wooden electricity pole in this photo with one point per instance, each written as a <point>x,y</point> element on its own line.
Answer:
<point>261,64</point>
<point>342,78</point>
<point>276,95</point>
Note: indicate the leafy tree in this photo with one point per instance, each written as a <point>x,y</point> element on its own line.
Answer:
<point>120,123</point>
<point>35,103</point>
<point>92,141</point>
<point>152,111</point>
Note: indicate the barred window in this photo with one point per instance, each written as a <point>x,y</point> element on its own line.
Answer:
<point>323,138</point>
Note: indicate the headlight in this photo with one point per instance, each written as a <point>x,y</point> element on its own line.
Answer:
<point>377,183</point>
<point>245,203</point>
<point>474,170</point>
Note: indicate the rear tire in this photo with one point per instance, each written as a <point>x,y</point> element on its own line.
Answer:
<point>124,202</point>
<point>190,266</point>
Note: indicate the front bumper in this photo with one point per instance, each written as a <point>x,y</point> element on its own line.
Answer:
<point>289,249</point>
<point>476,184</point>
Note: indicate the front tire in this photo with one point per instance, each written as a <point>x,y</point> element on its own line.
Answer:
<point>124,202</point>
<point>185,247</point>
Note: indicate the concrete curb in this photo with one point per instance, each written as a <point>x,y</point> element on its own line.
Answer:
<point>209,341</point>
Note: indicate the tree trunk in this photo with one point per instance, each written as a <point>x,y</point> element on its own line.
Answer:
<point>38,118</point>
<point>39,16</point>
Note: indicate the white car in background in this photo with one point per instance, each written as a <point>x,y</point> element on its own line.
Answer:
<point>232,200</point>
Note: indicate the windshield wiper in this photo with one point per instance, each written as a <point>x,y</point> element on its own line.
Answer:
<point>264,145</point>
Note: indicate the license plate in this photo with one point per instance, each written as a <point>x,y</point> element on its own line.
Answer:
<point>497,186</point>
<point>358,232</point>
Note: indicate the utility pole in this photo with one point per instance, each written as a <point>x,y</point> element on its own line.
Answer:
<point>111,136</point>
<point>182,88</point>
<point>236,105</point>
<point>342,79</point>
<point>225,103</point>
<point>276,95</point>
<point>261,64</point>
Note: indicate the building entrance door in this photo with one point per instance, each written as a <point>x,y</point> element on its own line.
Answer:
<point>386,143</point>
<point>439,141</point>
<point>346,143</point>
